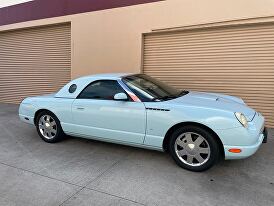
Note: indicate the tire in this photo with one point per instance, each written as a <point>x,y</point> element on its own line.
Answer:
<point>49,128</point>
<point>194,148</point>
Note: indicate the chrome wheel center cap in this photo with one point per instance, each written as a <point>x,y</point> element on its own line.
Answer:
<point>191,146</point>
<point>47,124</point>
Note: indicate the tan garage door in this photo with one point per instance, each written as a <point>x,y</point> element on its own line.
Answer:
<point>236,60</point>
<point>34,61</point>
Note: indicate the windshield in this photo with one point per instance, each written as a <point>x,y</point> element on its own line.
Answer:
<point>149,89</point>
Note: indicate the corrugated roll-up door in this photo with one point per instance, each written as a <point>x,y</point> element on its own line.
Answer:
<point>34,61</point>
<point>235,60</point>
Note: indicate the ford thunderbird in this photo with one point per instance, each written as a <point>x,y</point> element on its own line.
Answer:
<point>197,129</point>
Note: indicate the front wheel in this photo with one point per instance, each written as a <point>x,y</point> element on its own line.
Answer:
<point>193,148</point>
<point>49,127</point>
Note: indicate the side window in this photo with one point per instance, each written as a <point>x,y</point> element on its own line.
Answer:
<point>102,90</point>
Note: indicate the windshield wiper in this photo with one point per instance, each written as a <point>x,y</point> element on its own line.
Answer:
<point>164,98</point>
<point>169,97</point>
<point>182,93</point>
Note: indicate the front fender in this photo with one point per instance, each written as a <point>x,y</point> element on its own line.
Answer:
<point>160,121</point>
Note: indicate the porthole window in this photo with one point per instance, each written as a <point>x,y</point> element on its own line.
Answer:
<point>72,88</point>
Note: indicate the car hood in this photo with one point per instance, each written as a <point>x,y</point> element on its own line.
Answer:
<point>216,101</point>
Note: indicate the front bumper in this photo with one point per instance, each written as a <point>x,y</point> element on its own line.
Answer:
<point>265,132</point>
<point>246,151</point>
<point>243,142</point>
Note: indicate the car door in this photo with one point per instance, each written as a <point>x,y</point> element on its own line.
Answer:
<point>96,114</point>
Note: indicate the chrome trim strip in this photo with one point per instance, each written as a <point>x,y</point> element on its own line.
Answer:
<point>253,116</point>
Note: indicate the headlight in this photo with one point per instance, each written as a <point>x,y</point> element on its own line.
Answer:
<point>242,119</point>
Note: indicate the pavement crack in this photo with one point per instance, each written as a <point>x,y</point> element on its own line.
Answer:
<point>123,198</point>
<point>104,172</point>
<point>99,191</point>
<point>35,173</point>
<point>71,196</point>
<point>80,187</point>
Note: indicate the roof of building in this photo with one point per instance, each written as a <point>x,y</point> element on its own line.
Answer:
<point>109,75</point>
<point>113,76</point>
<point>41,9</point>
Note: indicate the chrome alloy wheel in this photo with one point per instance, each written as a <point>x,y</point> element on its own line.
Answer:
<point>192,149</point>
<point>47,127</point>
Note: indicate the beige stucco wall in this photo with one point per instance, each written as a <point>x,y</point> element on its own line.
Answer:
<point>110,40</point>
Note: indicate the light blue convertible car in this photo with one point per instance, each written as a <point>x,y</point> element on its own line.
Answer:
<point>196,128</point>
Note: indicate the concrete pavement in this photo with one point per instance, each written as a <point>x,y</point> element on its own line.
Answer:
<point>85,172</point>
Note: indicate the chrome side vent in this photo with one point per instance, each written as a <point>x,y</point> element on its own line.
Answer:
<point>158,109</point>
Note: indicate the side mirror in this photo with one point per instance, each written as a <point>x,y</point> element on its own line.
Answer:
<point>120,97</point>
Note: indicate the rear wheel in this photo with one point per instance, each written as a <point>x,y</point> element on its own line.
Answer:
<point>193,148</point>
<point>49,128</point>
